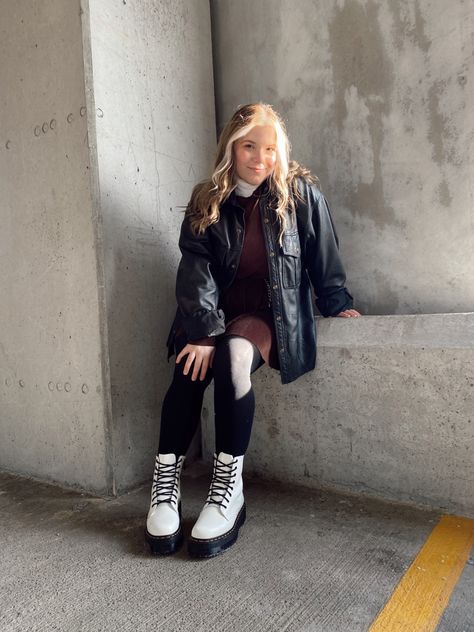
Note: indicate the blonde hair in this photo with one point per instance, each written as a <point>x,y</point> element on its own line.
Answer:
<point>207,196</point>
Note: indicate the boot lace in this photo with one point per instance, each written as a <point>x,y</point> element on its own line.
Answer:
<point>222,483</point>
<point>165,482</point>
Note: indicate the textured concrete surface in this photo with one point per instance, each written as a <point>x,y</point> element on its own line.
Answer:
<point>387,412</point>
<point>107,121</point>
<point>379,102</point>
<point>107,113</point>
<point>456,617</point>
<point>51,384</point>
<point>150,75</point>
<point>305,560</point>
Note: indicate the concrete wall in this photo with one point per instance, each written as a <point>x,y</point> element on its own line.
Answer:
<point>388,412</point>
<point>151,77</point>
<point>378,100</point>
<point>107,121</point>
<point>53,396</point>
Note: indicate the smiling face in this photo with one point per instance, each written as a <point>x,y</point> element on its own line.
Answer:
<point>255,154</point>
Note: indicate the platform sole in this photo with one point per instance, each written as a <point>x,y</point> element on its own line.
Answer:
<point>165,544</point>
<point>203,548</point>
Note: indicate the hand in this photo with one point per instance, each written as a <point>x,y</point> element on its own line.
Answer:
<point>202,357</point>
<point>349,313</point>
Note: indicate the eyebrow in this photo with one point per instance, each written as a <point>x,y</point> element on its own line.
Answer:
<point>247,140</point>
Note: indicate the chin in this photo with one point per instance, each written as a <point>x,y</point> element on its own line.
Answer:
<point>257,178</point>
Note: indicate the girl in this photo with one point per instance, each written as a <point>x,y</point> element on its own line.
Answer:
<point>255,237</point>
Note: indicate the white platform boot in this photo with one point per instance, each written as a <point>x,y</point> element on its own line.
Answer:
<point>163,525</point>
<point>223,514</point>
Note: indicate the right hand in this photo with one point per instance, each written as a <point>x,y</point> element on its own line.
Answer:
<point>202,357</point>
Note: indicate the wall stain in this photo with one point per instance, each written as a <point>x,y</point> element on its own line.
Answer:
<point>359,59</point>
<point>376,302</point>
<point>408,27</point>
<point>444,194</point>
<point>440,132</point>
<point>419,32</point>
<point>436,122</point>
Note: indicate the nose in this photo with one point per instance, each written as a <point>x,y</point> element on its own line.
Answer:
<point>260,156</point>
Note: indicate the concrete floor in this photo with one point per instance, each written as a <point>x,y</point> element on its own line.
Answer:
<point>305,560</point>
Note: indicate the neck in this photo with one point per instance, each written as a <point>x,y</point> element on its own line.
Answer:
<point>244,189</point>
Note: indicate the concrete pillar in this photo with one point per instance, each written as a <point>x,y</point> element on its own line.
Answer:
<point>107,113</point>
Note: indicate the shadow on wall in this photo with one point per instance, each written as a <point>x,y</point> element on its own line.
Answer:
<point>141,271</point>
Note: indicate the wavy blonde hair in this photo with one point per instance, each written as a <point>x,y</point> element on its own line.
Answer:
<point>207,196</point>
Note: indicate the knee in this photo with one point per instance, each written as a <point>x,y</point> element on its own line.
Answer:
<point>233,352</point>
<point>186,381</point>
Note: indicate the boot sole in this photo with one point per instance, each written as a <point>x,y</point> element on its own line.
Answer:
<point>210,547</point>
<point>165,544</point>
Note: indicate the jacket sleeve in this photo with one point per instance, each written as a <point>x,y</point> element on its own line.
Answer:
<point>320,252</point>
<point>197,292</point>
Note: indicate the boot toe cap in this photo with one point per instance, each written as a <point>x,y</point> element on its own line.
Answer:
<point>162,520</point>
<point>215,521</point>
<point>211,523</point>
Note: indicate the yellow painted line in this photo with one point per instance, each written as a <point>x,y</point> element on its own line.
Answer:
<point>422,594</point>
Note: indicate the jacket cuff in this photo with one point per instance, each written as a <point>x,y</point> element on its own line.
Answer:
<point>210,341</point>
<point>335,302</point>
<point>204,323</point>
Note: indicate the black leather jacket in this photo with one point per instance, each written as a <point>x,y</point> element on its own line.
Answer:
<point>308,256</point>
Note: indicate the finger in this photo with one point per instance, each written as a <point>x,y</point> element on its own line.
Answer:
<point>204,367</point>
<point>181,354</point>
<point>197,366</point>
<point>189,362</point>
<point>211,359</point>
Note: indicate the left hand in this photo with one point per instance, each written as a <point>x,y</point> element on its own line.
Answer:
<point>349,313</point>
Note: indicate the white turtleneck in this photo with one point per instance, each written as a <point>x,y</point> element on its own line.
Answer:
<point>244,189</point>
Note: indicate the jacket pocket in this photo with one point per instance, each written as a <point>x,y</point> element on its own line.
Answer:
<point>290,260</point>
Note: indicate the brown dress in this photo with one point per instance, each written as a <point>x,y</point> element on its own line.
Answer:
<point>246,302</point>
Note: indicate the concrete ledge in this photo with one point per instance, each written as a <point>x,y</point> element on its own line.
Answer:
<point>389,412</point>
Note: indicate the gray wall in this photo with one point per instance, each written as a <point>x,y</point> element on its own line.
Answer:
<point>90,214</point>
<point>378,100</point>
<point>53,398</point>
<point>107,121</point>
<point>151,77</point>
<point>388,412</point>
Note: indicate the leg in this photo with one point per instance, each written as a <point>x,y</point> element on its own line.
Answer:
<point>180,415</point>
<point>224,513</point>
<point>235,359</point>
<point>181,409</point>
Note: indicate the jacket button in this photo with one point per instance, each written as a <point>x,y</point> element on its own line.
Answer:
<point>275,287</point>
<point>282,350</point>
<point>266,220</point>
<point>233,266</point>
<point>278,317</point>
<point>272,254</point>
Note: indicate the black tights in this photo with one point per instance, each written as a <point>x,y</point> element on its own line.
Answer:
<point>235,359</point>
